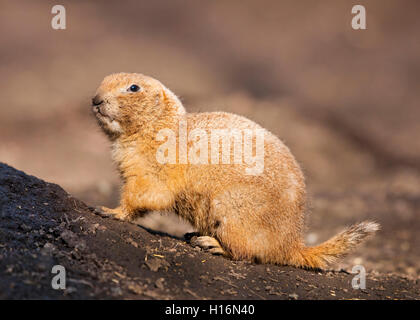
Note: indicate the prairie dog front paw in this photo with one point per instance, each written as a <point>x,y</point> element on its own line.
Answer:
<point>116,213</point>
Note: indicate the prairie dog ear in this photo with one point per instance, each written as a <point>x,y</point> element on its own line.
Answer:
<point>169,97</point>
<point>164,95</point>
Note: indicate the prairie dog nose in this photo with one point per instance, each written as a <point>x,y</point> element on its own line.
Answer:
<point>97,100</point>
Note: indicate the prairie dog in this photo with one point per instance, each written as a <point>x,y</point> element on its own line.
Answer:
<point>256,217</point>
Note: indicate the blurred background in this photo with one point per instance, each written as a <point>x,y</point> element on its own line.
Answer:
<point>346,102</point>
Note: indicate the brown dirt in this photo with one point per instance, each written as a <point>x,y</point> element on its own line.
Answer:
<point>42,226</point>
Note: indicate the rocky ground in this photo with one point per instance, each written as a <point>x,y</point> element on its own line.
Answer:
<point>41,226</point>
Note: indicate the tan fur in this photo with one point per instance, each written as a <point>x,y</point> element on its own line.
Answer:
<point>256,218</point>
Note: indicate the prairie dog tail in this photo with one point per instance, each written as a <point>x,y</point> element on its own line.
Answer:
<point>339,245</point>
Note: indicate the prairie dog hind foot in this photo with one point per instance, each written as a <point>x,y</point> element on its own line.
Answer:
<point>208,244</point>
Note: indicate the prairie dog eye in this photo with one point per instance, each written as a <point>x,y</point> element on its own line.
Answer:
<point>134,88</point>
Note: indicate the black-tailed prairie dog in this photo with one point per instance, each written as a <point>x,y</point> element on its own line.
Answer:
<point>243,214</point>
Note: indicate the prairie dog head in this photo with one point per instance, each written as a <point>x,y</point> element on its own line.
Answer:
<point>126,103</point>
